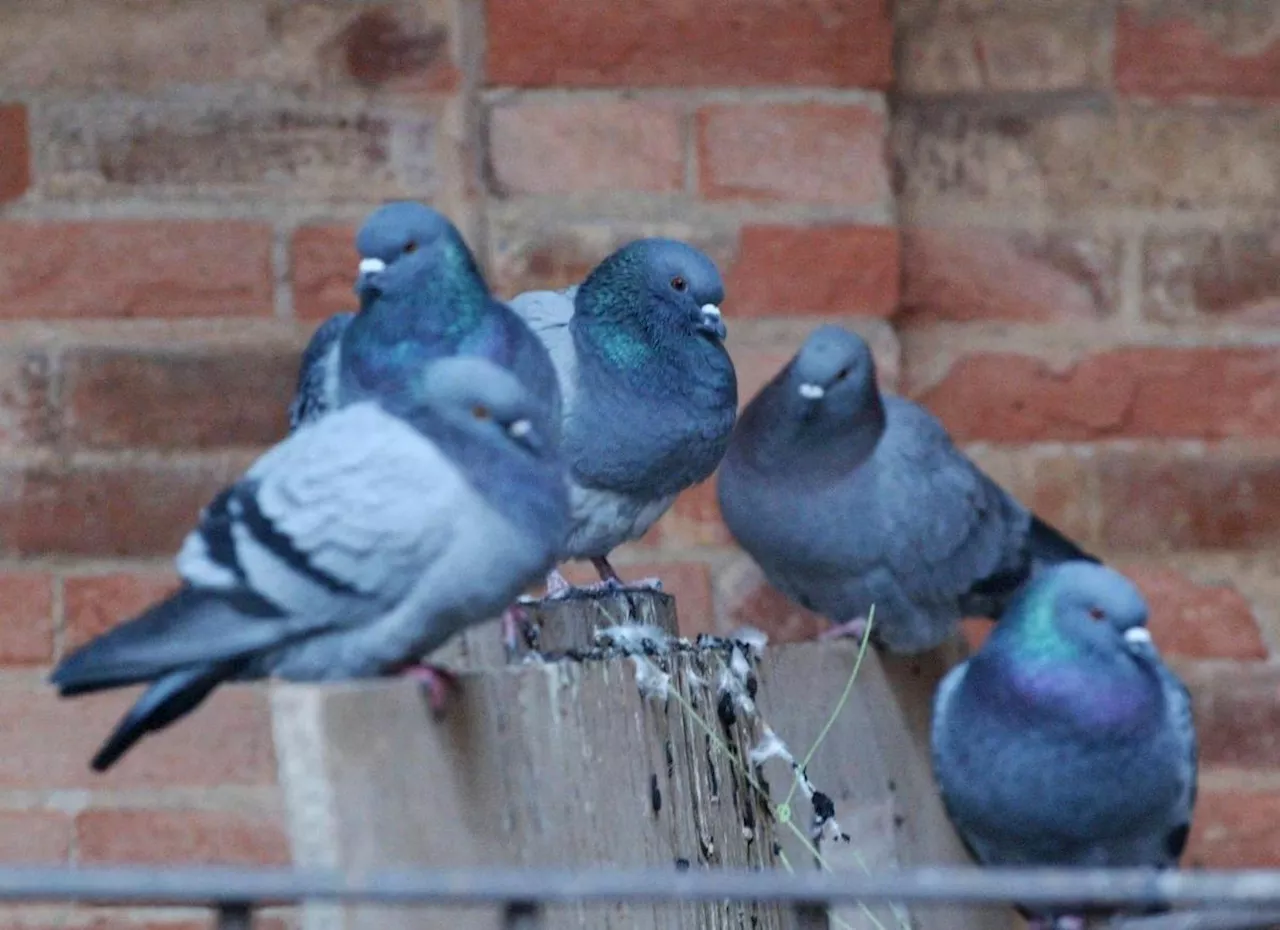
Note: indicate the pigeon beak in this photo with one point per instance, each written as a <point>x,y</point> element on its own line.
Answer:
<point>1137,636</point>
<point>811,391</point>
<point>709,321</point>
<point>369,269</point>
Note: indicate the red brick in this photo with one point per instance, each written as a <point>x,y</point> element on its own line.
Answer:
<point>49,741</point>
<point>93,604</point>
<point>1017,48</point>
<point>1199,620</point>
<point>745,598</point>
<point>181,837</point>
<point>319,45</point>
<point>26,619</point>
<point>28,412</point>
<point>1132,392</point>
<point>1176,499</point>
<point>107,509</point>
<point>586,146</point>
<point>1231,275</point>
<point>1237,713</point>
<point>322,264</point>
<point>808,152</point>
<point>693,520</point>
<point>181,399</point>
<point>15,151</point>
<point>1058,486</point>
<point>535,43</point>
<point>1205,48</point>
<point>1235,829</point>
<point>688,582</point>
<point>970,275</point>
<point>815,271</point>
<point>83,917</point>
<point>120,148</point>
<point>125,268</point>
<point>34,836</point>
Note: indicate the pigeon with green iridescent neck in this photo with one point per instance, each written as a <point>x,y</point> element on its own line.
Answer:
<point>422,297</point>
<point>1065,740</point>
<point>848,498</point>
<point>650,393</point>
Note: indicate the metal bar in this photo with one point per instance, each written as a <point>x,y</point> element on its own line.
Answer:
<point>1202,919</point>
<point>235,917</point>
<point>213,887</point>
<point>522,915</point>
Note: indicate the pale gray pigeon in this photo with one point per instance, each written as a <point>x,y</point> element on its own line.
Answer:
<point>649,391</point>
<point>1066,741</point>
<point>847,499</point>
<point>360,543</point>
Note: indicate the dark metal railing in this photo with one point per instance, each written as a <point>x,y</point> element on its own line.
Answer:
<point>1225,900</point>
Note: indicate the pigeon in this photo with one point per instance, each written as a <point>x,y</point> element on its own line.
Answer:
<point>361,542</point>
<point>650,394</point>
<point>848,498</point>
<point>422,297</point>
<point>1065,740</point>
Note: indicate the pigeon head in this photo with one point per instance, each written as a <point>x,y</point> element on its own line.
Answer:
<point>668,289</point>
<point>1078,606</point>
<point>484,400</point>
<point>403,246</point>
<point>834,366</point>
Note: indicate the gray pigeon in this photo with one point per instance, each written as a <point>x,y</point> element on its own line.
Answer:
<point>649,391</point>
<point>422,297</point>
<point>352,548</point>
<point>847,498</point>
<point>1066,741</point>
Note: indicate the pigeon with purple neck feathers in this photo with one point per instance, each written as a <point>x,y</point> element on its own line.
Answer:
<point>1065,740</point>
<point>650,393</point>
<point>848,498</point>
<point>357,545</point>
<point>422,297</point>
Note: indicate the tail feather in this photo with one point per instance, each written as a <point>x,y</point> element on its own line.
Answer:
<point>192,628</point>
<point>169,699</point>
<point>1047,546</point>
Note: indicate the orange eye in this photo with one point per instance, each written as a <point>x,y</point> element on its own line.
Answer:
<point>410,247</point>
<point>679,283</point>
<point>481,412</point>
<point>1097,613</point>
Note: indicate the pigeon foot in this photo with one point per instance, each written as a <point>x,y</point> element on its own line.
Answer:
<point>515,620</point>
<point>436,681</point>
<point>855,629</point>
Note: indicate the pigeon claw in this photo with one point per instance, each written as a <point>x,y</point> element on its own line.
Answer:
<point>850,629</point>
<point>435,681</point>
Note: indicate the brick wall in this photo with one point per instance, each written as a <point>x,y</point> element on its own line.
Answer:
<point>1058,233</point>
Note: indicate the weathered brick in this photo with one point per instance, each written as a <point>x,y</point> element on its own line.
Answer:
<point>125,268</point>
<point>1231,275</point>
<point>585,146</point>
<point>34,836</point>
<point>322,267</point>
<point>128,509</point>
<point>26,618</point>
<point>1197,619</point>
<point>1237,711</point>
<point>227,741</point>
<point>971,274</point>
<point>1161,499</point>
<point>1008,49</point>
<point>693,520</point>
<point>124,148</point>
<point>1235,828</point>
<point>1205,393</point>
<point>15,151</point>
<point>28,413</point>
<point>1080,154</point>
<point>814,271</point>
<point>180,399</point>
<point>745,598</point>
<point>313,46</point>
<point>1205,48</point>
<point>1057,485</point>
<point>738,42</point>
<point>818,153</point>
<point>93,604</point>
<point>172,837</point>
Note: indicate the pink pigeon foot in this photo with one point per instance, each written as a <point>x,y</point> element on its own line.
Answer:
<point>855,629</point>
<point>515,620</point>
<point>436,681</point>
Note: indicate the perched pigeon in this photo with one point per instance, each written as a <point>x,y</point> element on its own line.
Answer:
<point>649,391</point>
<point>357,545</point>
<point>422,297</point>
<point>1066,741</point>
<point>847,498</point>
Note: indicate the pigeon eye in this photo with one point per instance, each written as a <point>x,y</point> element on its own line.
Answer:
<point>679,283</point>
<point>410,247</point>
<point>481,412</point>
<point>1097,613</point>
<point>843,373</point>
